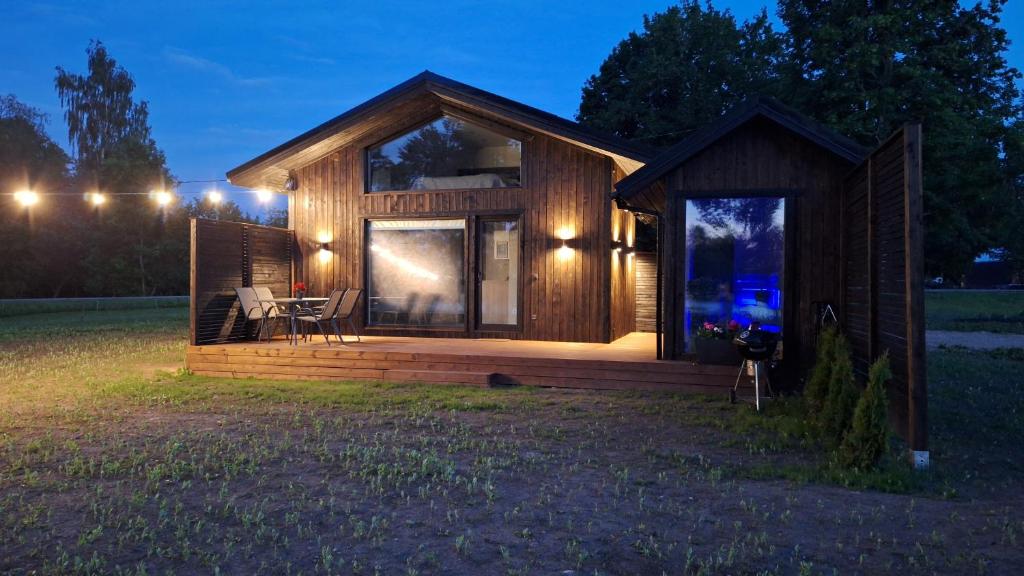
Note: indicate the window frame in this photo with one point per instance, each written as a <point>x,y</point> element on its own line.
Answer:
<point>368,273</point>
<point>791,238</point>
<point>478,221</point>
<point>522,138</point>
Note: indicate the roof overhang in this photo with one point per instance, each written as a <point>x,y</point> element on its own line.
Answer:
<point>422,98</point>
<point>643,188</point>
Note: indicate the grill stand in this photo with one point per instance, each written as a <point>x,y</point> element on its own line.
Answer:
<point>759,369</point>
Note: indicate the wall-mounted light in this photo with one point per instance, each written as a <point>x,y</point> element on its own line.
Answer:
<point>264,195</point>
<point>565,234</point>
<point>214,197</point>
<point>618,246</point>
<point>323,242</point>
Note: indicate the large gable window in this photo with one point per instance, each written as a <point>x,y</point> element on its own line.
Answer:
<point>446,154</point>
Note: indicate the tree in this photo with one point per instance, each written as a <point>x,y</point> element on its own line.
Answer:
<point>868,438</point>
<point>865,68</point>
<point>99,109</point>
<point>29,159</point>
<point>688,66</point>
<point>129,246</point>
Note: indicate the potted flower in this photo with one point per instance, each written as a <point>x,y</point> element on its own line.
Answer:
<point>713,344</point>
<point>300,289</point>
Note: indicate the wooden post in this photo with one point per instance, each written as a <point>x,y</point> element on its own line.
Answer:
<point>917,394</point>
<point>193,226</point>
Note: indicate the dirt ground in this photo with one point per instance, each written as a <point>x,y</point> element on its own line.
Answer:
<point>542,482</point>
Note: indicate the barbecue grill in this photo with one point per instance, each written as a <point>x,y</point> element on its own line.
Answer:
<point>755,346</point>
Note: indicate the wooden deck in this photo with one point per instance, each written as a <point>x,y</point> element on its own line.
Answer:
<point>626,364</point>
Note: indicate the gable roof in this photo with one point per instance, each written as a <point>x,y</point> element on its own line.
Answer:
<point>271,168</point>
<point>760,106</point>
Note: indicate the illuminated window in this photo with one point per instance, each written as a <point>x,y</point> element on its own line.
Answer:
<point>735,256</point>
<point>446,154</point>
<point>416,272</point>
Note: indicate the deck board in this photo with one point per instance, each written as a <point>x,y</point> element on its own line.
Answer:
<point>627,364</point>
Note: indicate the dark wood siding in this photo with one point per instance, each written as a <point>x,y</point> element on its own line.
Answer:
<point>883,281</point>
<point>759,157</point>
<point>646,291</point>
<point>563,186</point>
<point>623,274</point>
<point>227,255</point>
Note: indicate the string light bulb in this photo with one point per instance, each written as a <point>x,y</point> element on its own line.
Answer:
<point>97,199</point>
<point>162,197</point>
<point>264,195</point>
<point>26,198</point>
<point>214,197</point>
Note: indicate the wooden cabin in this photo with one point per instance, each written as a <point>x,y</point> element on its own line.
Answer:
<point>469,219</point>
<point>462,214</point>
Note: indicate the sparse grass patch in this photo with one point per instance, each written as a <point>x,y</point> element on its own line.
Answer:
<point>972,311</point>
<point>113,460</point>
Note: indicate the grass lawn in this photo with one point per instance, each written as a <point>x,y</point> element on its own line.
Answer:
<point>114,461</point>
<point>971,311</point>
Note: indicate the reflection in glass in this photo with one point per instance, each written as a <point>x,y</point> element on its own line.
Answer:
<point>735,253</point>
<point>447,154</point>
<point>416,272</point>
<point>499,272</point>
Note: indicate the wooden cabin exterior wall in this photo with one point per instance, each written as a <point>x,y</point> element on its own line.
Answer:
<point>623,274</point>
<point>759,157</point>
<point>563,186</point>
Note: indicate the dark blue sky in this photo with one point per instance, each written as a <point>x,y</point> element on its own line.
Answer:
<point>227,81</point>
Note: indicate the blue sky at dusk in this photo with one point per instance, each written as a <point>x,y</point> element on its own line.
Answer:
<point>227,81</point>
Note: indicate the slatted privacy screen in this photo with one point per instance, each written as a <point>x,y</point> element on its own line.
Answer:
<point>226,255</point>
<point>883,259</point>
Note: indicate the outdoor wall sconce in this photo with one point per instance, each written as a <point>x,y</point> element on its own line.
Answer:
<point>618,246</point>
<point>565,234</point>
<point>323,242</point>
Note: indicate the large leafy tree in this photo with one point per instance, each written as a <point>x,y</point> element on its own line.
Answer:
<point>865,68</point>
<point>99,108</point>
<point>129,246</point>
<point>687,66</point>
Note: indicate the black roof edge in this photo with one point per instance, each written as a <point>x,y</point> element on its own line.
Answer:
<point>743,112</point>
<point>565,127</point>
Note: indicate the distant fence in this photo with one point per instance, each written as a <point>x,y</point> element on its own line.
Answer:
<point>23,306</point>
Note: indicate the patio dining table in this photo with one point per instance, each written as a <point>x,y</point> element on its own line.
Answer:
<point>294,305</point>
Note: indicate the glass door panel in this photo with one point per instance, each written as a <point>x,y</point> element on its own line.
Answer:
<point>498,272</point>
<point>735,255</point>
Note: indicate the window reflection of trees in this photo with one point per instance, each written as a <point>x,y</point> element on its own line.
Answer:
<point>445,147</point>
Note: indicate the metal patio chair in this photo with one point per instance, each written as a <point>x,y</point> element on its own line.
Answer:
<point>307,316</point>
<point>252,308</point>
<point>345,313</point>
<point>272,312</point>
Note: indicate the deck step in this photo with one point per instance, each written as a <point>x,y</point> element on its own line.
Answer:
<point>444,366</point>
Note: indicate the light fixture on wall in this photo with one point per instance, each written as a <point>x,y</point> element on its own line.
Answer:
<point>565,234</point>
<point>618,246</point>
<point>323,242</point>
